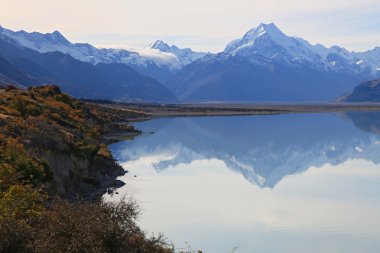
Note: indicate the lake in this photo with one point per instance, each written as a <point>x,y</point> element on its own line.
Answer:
<point>276,183</point>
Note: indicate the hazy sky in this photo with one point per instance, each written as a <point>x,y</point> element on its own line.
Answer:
<point>199,24</point>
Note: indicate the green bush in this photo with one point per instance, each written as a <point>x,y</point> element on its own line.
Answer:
<point>29,169</point>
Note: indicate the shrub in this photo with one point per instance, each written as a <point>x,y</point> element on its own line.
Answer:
<point>30,170</point>
<point>64,99</point>
<point>18,105</point>
<point>15,236</point>
<point>78,227</point>
<point>21,202</point>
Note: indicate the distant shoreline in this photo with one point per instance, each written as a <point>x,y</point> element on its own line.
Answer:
<point>155,110</point>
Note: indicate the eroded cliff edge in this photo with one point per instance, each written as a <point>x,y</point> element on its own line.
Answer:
<point>57,142</point>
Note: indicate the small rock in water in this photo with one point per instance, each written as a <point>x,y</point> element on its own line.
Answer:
<point>135,176</point>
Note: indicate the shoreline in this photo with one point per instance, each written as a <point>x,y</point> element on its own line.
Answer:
<point>143,112</point>
<point>138,112</point>
<point>220,109</point>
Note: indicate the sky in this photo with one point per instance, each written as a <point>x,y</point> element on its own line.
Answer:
<point>203,25</point>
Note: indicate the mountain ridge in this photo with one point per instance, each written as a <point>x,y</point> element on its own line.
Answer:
<point>268,65</point>
<point>84,80</point>
<point>368,91</point>
<point>265,64</point>
<point>153,62</point>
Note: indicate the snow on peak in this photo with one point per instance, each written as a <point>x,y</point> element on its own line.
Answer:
<point>371,57</point>
<point>184,55</point>
<point>42,42</point>
<point>158,53</point>
<point>270,31</point>
<point>268,41</point>
<point>160,57</point>
<point>57,36</point>
<point>160,45</point>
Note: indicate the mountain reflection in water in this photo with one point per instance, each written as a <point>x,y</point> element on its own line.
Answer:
<point>290,183</point>
<point>262,148</point>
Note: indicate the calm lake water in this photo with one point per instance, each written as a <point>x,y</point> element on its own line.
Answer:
<point>282,183</point>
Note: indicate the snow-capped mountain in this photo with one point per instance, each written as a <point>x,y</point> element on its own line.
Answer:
<point>264,65</point>
<point>268,65</point>
<point>154,60</point>
<point>185,56</point>
<point>23,66</point>
<point>269,41</point>
<point>371,57</point>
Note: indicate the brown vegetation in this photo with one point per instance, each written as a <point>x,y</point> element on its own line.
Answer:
<point>55,141</point>
<point>51,145</point>
<point>72,227</point>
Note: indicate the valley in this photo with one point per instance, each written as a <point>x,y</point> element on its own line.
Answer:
<point>260,144</point>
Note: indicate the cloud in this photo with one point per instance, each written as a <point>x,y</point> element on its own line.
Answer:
<point>161,58</point>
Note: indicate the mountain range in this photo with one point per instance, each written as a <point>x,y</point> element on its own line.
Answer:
<point>158,60</point>
<point>264,65</point>
<point>113,81</point>
<point>267,65</point>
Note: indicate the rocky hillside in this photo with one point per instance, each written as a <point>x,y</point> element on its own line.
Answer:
<point>365,92</point>
<point>53,141</point>
<point>53,163</point>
